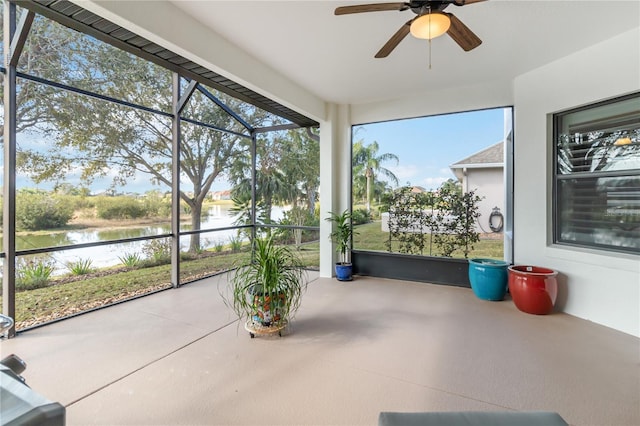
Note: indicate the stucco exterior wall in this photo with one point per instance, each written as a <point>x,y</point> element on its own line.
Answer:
<point>600,286</point>
<point>488,183</point>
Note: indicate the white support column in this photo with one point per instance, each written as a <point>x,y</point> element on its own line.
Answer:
<point>335,177</point>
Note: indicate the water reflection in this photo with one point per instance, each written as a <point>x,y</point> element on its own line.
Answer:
<point>27,242</point>
<point>218,216</point>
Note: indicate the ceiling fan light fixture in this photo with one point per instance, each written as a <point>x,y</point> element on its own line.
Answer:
<point>430,25</point>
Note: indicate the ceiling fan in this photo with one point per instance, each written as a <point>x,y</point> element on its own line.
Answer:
<point>431,22</point>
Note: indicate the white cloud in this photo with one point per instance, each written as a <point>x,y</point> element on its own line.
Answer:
<point>427,177</point>
<point>404,173</point>
<point>431,183</point>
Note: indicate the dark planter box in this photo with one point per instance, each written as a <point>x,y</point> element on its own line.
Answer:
<point>436,270</point>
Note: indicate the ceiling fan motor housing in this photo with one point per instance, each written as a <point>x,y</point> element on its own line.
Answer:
<point>421,7</point>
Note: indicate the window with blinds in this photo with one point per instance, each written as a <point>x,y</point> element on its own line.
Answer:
<point>597,175</point>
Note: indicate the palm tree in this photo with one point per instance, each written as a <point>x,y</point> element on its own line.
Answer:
<point>282,172</point>
<point>367,165</point>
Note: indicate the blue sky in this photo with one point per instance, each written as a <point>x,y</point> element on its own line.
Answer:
<point>427,146</point>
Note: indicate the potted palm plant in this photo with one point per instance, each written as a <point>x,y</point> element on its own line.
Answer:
<point>342,236</point>
<point>267,290</point>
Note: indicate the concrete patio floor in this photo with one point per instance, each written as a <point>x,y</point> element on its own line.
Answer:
<point>353,350</point>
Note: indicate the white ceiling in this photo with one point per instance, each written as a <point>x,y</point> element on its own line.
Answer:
<point>332,56</point>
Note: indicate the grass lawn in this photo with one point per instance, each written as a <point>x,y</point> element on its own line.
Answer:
<point>370,237</point>
<point>67,296</point>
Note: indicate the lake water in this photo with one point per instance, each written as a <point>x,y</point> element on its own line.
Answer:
<point>218,216</point>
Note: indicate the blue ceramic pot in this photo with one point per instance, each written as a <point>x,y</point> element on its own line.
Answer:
<point>344,271</point>
<point>489,278</point>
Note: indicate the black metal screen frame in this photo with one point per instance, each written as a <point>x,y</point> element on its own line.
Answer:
<point>75,17</point>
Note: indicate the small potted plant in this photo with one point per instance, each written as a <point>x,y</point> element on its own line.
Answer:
<point>342,236</point>
<point>267,291</point>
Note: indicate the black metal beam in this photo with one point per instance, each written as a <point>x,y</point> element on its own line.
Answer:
<point>90,94</point>
<point>22,31</point>
<point>9,190</point>
<point>213,127</point>
<point>186,96</point>
<point>225,108</point>
<point>312,135</point>
<point>254,201</point>
<point>175,181</point>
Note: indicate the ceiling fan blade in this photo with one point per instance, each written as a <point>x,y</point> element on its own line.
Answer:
<point>378,7</point>
<point>462,35</point>
<point>465,2</point>
<point>394,40</point>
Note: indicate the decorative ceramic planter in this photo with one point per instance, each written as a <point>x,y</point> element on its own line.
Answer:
<point>488,278</point>
<point>533,289</point>
<point>344,271</point>
<point>267,307</point>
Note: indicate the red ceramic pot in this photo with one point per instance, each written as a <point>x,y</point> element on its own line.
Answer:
<point>532,288</point>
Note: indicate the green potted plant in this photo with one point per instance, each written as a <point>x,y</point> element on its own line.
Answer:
<point>267,290</point>
<point>342,236</point>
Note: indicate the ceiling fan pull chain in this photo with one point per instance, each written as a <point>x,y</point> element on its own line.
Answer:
<point>430,37</point>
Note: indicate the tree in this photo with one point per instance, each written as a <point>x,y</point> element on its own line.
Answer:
<point>272,185</point>
<point>302,165</point>
<point>451,186</point>
<point>101,138</point>
<point>367,166</point>
<point>287,171</point>
<point>47,48</point>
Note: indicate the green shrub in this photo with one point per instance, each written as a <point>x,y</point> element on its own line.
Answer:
<point>458,233</point>
<point>130,260</point>
<point>75,202</point>
<point>119,208</point>
<point>39,210</point>
<point>33,273</point>
<point>201,248</point>
<point>444,219</point>
<point>156,204</point>
<point>360,217</point>
<point>297,216</point>
<point>187,256</point>
<point>158,251</point>
<point>235,244</point>
<point>80,267</point>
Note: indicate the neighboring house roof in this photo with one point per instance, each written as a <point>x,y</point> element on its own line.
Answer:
<point>490,157</point>
<point>224,194</point>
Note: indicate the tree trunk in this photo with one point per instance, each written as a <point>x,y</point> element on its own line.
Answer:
<point>196,213</point>
<point>268,207</point>
<point>368,174</point>
<point>311,201</point>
